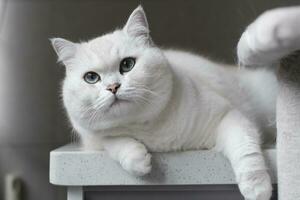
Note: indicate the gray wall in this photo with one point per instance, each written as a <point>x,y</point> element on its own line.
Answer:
<point>32,121</point>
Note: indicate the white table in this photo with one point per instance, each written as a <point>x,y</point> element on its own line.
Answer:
<point>87,173</point>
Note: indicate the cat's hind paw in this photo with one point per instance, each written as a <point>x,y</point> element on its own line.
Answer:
<point>136,160</point>
<point>273,35</point>
<point>256,185</point>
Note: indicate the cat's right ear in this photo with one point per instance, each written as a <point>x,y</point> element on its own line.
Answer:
<point>137,25</point>
<point>64,49</point>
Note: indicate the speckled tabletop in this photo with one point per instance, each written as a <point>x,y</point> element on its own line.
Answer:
<point>70,166</point>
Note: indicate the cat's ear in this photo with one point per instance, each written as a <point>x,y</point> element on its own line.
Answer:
<point>64,49</point>
<point>137,25</point>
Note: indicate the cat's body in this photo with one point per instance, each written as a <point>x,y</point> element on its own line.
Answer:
<point>203,92</point>
<point>197,103</point>
<point>125,95</point>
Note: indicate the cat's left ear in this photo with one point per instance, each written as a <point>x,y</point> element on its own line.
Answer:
<point>137,25</point>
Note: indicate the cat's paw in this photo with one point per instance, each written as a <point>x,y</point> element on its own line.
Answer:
<point>256,185</point>
<point>136,160</point>
<point>274,34</point>
<point>275,29</point>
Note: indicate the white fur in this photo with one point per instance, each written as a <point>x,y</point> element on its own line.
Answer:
<point>171,100</point>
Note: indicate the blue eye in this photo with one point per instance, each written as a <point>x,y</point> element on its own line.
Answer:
<point>127,64</point>
<point>91,77</point>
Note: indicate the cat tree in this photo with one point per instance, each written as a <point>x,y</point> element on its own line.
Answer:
<point>272,41</point>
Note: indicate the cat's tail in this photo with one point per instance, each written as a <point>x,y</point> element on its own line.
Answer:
<point>272,36</point>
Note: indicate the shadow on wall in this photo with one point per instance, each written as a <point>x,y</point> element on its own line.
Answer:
<point>32,121</point>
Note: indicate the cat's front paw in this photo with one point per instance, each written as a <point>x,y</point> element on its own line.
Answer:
<point>256,185</point>
<point>136,160</point>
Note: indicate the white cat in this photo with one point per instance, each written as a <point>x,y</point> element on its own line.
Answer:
<point>127,96</point>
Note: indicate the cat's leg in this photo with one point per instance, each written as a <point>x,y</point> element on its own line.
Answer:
<point>130,153</point>
<point>238,139</point>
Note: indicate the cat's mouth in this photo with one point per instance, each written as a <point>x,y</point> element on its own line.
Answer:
<point>117,101</point>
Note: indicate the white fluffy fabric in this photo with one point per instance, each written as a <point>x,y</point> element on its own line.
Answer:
<point>274,35</point>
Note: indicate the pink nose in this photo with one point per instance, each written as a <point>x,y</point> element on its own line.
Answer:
<point>113,87</point>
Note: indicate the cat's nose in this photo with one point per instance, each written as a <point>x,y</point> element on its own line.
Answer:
<point>113,87</point>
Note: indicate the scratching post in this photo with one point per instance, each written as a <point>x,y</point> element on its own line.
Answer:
<point>288,128</point>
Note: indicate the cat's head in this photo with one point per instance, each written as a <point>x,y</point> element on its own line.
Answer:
<point>115,79</point>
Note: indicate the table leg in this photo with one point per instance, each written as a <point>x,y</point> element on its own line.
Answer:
<point>75,193</point>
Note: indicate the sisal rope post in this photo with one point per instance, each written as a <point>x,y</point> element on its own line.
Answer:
<point>288,128</point>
